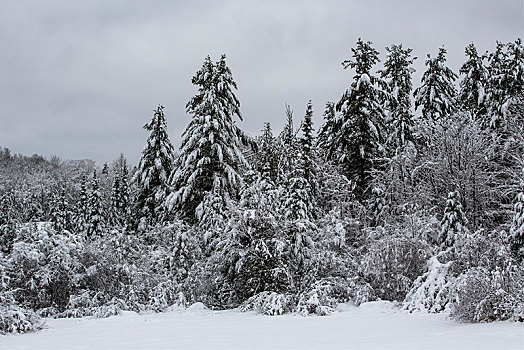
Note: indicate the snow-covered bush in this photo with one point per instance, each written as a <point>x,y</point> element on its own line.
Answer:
<point>431,291</point>
<point>165,295</point>
<point>92,303</point>
<point>15,319</point>
<point>270,303</point>
<point>392,264</point>
<point>42,267</point>
<point>481,295</point>
<point>324,295</point>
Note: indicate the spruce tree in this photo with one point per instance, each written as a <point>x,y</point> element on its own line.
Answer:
<point>268,154</point>
<point>298,215</point>
<point>253,250</point>
<point>95,220</point>
<point>82,208</point>
<point>62,216</point>
<point>288,147</point>
<point>454,221</point>
<point>473,86</point>
<point>325,134</point>
<point>153,170</point>
<point>124,199</point>
<point>437,93</point>
<point>115,218</point>
<point>506,80</point>
<point>397,72</point>
<point>307,142</point>
<point>210,153</point>
<point>358,130</point>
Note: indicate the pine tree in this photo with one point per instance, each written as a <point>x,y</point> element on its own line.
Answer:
<point>82,208</point>
<point>358,129</point>
<point>210,153</point>
<point>62,216</point>
<point>473,86</point>
<point>253,249</point>
<point>454,221</point>
<point>115,217</point>
<point>517,225</point>
<point>153,170</point>
<point>307,142</point>
<point>95,220</point>
<point>268,154</point>
<point>437,93</point>
<point>298,215</point>
<point>124,195</point>
<point>397,71</point>
<point>326,132</point>
<point>287,147</point>
<point>506,79</point>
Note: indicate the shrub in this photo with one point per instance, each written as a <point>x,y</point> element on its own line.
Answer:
<point>392,264</point>
<point>15,319</point>
<point>269,303</point>
<point>481,295</point>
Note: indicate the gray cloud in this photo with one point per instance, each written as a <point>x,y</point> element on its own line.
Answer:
<point>79,79</point>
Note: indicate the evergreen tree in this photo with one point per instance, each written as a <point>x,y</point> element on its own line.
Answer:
<point>82,207</point>
<point>153,170</point>
<point>358,129</point>
<point>297,215</point>
<point>62,216</point>
<point>454,221</point>
<point>517,225</point>
<point>287,148</point>
<point>397,71</point>
<point>437,93</point>
<point>115,218</point>
<point>210,153</point>
<point>325,134</point>
<point>124,200</point>
<point>254,251</point>
<point>506,79</point>
<point>268,154</point>
<point>95,220</point>
<point>473,86</point>
<point>307,141</point>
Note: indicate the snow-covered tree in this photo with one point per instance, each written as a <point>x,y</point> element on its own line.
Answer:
<point>268,154</point>
<point>82,207</point>
<point>210,153</point>
<point>473,86</point>
<point>325,134</point>
<point>308,146</point>
<point>288,147</point>
<point>114,216</point>
<point>397,72</point>
<point>124,200</point>
<point>517,225</point>
<point>454,221</point>
<point>253,249</point>
<point>153,170</point>
<point>358,131</point>
<point>437,93</point>
<point>506,79</point>
<point>297,214</point>
<point>95,219</point>
<point>62,216</point>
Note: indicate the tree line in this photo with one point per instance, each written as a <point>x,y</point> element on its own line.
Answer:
<point>399,185</point>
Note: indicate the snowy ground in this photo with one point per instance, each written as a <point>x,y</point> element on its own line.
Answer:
<point>371,326</point>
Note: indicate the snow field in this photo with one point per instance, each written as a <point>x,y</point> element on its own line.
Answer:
<point>373,325</point>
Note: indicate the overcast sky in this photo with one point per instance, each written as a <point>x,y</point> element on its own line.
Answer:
<point>79,78</point>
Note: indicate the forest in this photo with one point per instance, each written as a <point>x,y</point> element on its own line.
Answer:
<point>412,195</point>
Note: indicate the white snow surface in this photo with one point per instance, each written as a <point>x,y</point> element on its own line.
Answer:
<point>375,325</point>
